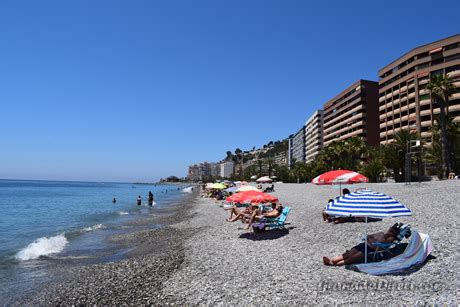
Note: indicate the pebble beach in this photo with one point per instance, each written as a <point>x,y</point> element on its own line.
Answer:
<point>200,258</point>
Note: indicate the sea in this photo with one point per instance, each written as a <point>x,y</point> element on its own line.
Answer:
<point>46,223</point>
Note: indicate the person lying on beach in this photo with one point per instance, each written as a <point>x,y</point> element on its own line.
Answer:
<point>356,254</point>
<point>276,211</point>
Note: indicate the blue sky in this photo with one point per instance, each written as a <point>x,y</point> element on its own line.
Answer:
<point>138,90</point>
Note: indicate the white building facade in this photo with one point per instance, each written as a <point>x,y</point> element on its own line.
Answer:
<point>313,135</point>
<point>226,169</point>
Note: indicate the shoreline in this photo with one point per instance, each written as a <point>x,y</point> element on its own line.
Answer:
<point>152,255</point>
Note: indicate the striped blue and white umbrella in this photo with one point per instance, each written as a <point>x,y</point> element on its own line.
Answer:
<point>366,203</point>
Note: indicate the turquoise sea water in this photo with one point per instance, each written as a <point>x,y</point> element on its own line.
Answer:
<point>41,221</point>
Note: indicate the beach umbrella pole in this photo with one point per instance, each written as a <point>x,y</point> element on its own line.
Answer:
<point>365,244</point>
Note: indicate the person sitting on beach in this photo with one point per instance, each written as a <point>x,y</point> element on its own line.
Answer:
<point>243,214</point>
<point>356,254</point>
<point>235,210</point>
<point>326,217</point>
<point>276,211</point>
<point>331,219</point>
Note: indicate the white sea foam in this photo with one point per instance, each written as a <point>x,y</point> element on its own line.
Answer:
<point>92,228</point>
<point>42,246</point>
<point>123,213</point>
<point>187,190</point>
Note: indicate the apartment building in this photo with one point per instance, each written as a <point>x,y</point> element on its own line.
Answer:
<point>404,101</point>
<point>226,169</point>
<point>201,171</point>
<point>297,147</point>
<point>353,113</point>
<point>313,135</point>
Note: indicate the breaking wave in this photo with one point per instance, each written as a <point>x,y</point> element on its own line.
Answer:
<point>92,228</point>
<point>42,247</point>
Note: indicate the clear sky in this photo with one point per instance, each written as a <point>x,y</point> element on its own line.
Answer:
<point>137,90</point>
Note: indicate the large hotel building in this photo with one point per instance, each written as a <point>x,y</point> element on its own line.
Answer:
<point>313,135</point>
<point>353,113</point>
<point>404,101</point>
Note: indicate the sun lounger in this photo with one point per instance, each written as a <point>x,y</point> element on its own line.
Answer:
<point>272,223</point>
<point>416,252</point>
<point>383,250</point>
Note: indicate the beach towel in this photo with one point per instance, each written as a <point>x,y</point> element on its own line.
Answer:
<point>416,252</point>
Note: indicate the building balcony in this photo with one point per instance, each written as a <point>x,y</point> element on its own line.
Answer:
<point>425,102</point>
<point>454,96</point>
<point>454,107</point>
<point>423,92</point>
<point>425,112</point>
<point>403,89</point>
<point>426,123</point>
<point>357,124</point>
<point>425,134</point>
<point>332,122</point>
<point>423,81</point>
<point>411,95</point>
<point>345,136</point>
<point>381,98</point>
<point>454,74</point>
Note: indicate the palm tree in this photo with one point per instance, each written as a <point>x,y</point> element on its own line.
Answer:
<point>374,166</point>
<point>399,146</point>
<point>441,87</point>
<point>433,154</point>
<point>356,148</point>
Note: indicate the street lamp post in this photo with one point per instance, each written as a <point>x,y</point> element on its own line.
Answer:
<point>413,147</point>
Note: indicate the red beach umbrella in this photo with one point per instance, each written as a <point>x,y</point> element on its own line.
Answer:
<point>253,197</point>
<point>340,177</point>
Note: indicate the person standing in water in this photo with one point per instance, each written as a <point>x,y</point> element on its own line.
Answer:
<point>139,200</point>
<point>150,199</point>
<point>114,200</point>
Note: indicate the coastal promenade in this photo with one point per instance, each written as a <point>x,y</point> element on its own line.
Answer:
<point>199,258</point>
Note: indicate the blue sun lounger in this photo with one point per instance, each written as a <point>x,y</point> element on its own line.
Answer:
<point>272,223</point>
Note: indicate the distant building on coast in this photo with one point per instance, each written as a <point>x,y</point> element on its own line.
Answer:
<point>226,169</point>
<point>313,135</point>
<point>404,100</point>
<point>297,147</point>
<point>353,113</point>
<point>215,170</point>
<point>200,171</point>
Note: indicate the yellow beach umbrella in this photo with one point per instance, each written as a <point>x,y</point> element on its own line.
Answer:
<point>217,186</point>
<point>247,188</point>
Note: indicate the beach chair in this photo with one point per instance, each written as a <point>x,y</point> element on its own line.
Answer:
<point>384,249</point>
<point>416,253</point>
<point>272,223</point>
